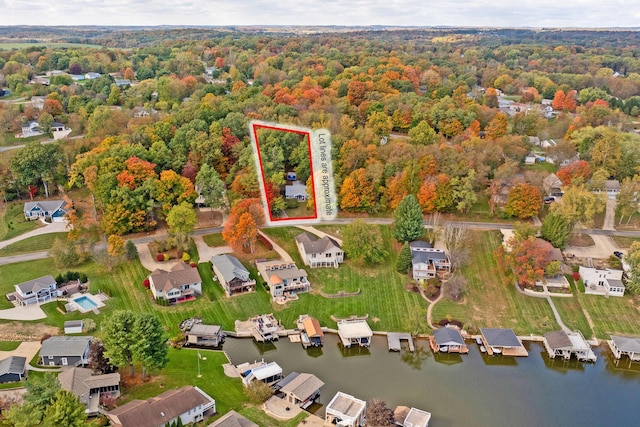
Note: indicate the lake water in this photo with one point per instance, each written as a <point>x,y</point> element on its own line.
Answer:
<point>468,390</point>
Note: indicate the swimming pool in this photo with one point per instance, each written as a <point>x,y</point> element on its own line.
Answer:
<point>86,303</point>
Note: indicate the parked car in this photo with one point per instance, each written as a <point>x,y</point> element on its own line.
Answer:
<point>548,200</point>
<point>618,254</point>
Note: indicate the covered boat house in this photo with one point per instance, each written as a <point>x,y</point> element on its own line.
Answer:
<point>355,332</point>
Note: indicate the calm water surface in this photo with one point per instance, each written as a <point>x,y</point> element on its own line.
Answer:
<point>468,390</point>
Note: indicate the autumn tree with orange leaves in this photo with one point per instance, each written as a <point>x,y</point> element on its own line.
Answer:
<point>241,228</point>
<point>524,201</point>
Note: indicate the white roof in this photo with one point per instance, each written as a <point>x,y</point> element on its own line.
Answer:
<point>265,371</point>
<point>354,329</point>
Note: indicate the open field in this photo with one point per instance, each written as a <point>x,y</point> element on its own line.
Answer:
<point>42,242</point>
<point>491,299</point>
<point>617,316</point>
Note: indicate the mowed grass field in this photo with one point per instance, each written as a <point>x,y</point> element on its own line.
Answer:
<point>43,242</point>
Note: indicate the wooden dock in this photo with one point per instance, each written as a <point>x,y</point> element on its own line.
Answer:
<point>394,341</point>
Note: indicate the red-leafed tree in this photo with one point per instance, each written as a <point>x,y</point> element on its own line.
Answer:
<point>576,170</point>
<point>528,259</point>
<point>136,172</point>
<point>53,107</point>
<point>241,228</point>
<point>427,196</point>
<point>570,101</point>
<point>558,100</point>
<point>355,92</point>
<point>524,201</point>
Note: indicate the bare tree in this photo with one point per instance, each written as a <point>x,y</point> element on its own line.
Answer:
<point>455,287</point>
<point>432,227</point>
<point>378,414</point>
<point>455,237</point>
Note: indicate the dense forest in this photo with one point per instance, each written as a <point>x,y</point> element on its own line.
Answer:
<point>448,115</point>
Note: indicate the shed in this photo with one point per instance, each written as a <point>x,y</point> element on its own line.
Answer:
<point>73,326</point>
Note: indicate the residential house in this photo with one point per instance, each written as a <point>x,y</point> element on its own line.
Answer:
<point>12,369</point>
<point>548,143</point>
<point>58,127</point>
<point>122,82</point>
<point>566,344</point>
<point>345,410</point>
<point>205,335</point>
<point>299,389</point>
<point>296,190</point>
<point>233,419</point>
<point>189,404</point>
<point>625,346</point>
<point>269,373</point>
<point>319,252</point>
<point>65,351</point>
<point>77,77</point>
<point>181,283</point>
<point>90,388</point>
<point>35,291</point>
<point>73,327</point>
<point>449,340</point>
<point>54,209</point>
<point>552,184</point>
<point>29,129</point>
<point>232,275</point>
<point>411,417</point>
<point>283,278</point>
<point>534,140</point>
<point>605,282</point>
<point>502,341</point>
<point>355,332</point>
<point>427,261</point>
<point>611,187</point>
<point>92,76</point>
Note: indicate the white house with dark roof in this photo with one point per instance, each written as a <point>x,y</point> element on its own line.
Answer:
<point>319,252</point>
<point>296,190</point>
<point>232,275</point>
<point>12,369</point>
<point>40,290</point>
<point>65,351</point>
<point>90,388</point>
<point>345,410</point>
<point>605,282</point>
<point>54,209</point>
<point>427,261</point>
<point>189,404</point>
<point>180,283</point>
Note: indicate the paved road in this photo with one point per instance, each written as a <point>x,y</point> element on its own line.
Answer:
<point>24,257</point>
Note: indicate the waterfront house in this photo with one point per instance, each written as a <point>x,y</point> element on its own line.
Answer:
<point>232,275</point>
<point>265,328</point>
<point>502,341</point>
<point>65,351</point>
<point>283,278</point>
<point>268,373</point>
<point>205,335</point>
<point>319,252</point>
<point>188,404</point>
<point>233,419</point>
<point>345,410</point>
<point>355,332</point>
<point>299,389</point>
<point>625,346</point>
<point>181,283</point>
<point>73,327</point>
<point>605,282</point>
<point>411,417</point>
<point>89,388</point>
<point>12,369</point>
<point>34,291</point>
<point>449,340</point>
<point>311,334</point>
<point>54,209</point>
<point>296,190</point>
<point>566,344</point>
<point>426,261</point>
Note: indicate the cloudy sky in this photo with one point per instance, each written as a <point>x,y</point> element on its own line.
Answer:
<point>509,13</point>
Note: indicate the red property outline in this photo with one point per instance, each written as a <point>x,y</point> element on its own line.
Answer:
<point>264,181</point>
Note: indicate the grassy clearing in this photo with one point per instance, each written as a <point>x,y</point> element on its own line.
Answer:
<point>214,240</point>
<point>42,242</point>
<point>613,316</point>
<point>491,299</point>
<point>9,345</point>
<point>263,420</point>
<point>13,223</point>
<point>572,315</point>
<point>540,167</point>
<point>624,242</point>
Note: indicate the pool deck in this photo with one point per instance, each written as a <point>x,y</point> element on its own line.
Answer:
<point>97,301</point>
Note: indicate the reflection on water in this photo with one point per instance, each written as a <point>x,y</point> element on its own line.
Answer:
<point>353,351</point>
<point>466,390</point>
<point>314,351</point>
<point>265,347</point>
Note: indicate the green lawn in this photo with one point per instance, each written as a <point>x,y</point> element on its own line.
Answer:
<point>614,315</point>
<point>9,345</point>
<point>572,315</point>
<point>42,242</point>
<point>214,240</point>
<point>13,223</point>
<point>491,300</point>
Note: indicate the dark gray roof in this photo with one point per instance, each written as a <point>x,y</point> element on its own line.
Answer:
<point>615,283</point>
<point>65,346</point>
<point>313,245</point>
<point>303,386</point>
<point>13,365</point>
<point>73,324</point>
<point>627,344</point>
<point>420,244</point>
<point>229,267</point>
<point>286,380</point>
<point>204,330</point>
<point>497,337</point>
<point>558,339</point>
<point>233,419</point>
<point>45,205</point>
<point>36,285</point>
<point>448,336</point>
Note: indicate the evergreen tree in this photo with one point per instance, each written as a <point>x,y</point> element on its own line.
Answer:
<point>66,410</point>
<point>130,251</point>
<point>404,259</point>
<point>408,224</point>
<point>556,230</point>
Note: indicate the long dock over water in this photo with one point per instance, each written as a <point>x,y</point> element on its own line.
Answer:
<point>394,341</point>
